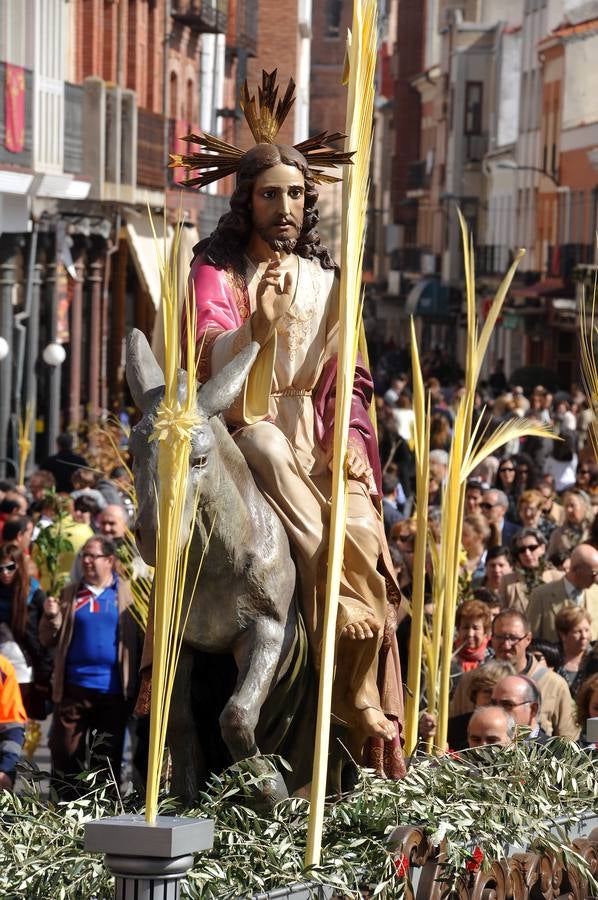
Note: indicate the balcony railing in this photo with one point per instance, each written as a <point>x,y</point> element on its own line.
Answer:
<point>25,157</point>
<point>417,176</point>
<point>202,15</point>
<point>476,147</point>
<point>492,259</point>
<point>151,155</point>
<point>563,258</point>
<point>73,128</point>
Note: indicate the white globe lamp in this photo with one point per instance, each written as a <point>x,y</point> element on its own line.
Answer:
<point>4,348</point>
<point>54,354</point>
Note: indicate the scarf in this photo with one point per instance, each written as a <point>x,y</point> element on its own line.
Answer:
<point>472,657</point>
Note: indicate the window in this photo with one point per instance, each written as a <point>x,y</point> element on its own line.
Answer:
<point>189,102</point>
<point>333,17</point>
<point>173,98</point>
<point>473,107</point>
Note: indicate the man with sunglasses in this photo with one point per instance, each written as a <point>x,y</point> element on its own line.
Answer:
<point>95,671</point>
<point>531,569</point>
<point>494,507</point>
<point>511,637</point>
<point>579,587</point>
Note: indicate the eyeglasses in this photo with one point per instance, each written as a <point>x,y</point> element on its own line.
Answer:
<point>583,471</point>
<point>406,538</point>
<point>513,639</point>
<point>528,548</point>
<point>9,567</point>
<point>87,556</point>
<point>507,469</point>
<point>508,705</point>
<point>487,505</point>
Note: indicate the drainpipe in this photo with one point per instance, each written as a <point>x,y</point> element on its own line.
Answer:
<point>25,361</point>
<point>112,248</point>
<point>8,266</point>
<point>166,84</point>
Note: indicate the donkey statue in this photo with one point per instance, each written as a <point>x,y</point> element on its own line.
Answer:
<point>243,667</point>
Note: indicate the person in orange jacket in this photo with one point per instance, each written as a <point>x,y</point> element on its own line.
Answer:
<point>12,724</point>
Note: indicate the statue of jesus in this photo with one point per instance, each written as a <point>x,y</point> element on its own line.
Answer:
<point>263,275</point>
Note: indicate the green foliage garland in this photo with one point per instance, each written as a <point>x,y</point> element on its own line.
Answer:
<point>485,801</point>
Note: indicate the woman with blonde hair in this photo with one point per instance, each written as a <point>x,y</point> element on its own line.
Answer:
<point>577,524</point>
<point>475,535</point>
<point>574,628</point>
<point>530,510</point>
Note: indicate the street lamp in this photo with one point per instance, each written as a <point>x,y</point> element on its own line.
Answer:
<point>54,354</point>
<point>514,167</point>
<point>4,348</point>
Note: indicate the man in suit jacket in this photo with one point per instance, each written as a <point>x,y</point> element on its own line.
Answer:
<point>494,506</point>
<point>579,587</point>
<point>390,510</point>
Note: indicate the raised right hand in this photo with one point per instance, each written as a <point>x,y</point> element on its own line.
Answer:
<point>272,300</point>
<point>51,607</point>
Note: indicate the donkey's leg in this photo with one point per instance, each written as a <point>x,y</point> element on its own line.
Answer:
<point>257,653</point>
<point>188,766</point>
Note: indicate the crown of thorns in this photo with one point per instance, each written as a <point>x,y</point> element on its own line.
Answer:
<point>265,119</point>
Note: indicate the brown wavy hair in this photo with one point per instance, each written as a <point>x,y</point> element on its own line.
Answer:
<point>226,245</point>
<point>18,607</point>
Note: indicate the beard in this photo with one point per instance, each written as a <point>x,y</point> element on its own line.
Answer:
<point>287,245</point>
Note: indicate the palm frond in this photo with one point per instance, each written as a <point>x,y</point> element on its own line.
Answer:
<point>362,55</point>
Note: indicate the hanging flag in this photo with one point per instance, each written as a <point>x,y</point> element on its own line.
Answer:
<point>14,109</point>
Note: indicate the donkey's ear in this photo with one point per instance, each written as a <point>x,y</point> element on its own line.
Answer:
<point>144,375</point>
<point>220,391</point>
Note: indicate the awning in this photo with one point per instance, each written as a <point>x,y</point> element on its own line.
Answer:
<point>543,288</point>
<point>144,251</point>
<point>428,298</point>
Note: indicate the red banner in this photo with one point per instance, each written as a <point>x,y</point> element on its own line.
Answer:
<point>14,109</point>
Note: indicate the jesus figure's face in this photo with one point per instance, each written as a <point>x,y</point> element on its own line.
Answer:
<point>277,202</point>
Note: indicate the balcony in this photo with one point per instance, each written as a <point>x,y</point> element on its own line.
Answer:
<point>73,128</point>
<point>209,16</point>
<point>151,156</point>
<point>563,258</point>
<point>24,158</point>
<point>242,27</point>
<point>475,147</point>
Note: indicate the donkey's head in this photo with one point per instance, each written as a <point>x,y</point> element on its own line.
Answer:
<point>146,382</point>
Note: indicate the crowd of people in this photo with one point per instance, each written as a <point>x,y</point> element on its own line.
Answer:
<point>525,657</point>
<point>70,642</point>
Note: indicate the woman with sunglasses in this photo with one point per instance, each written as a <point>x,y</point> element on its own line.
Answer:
<point>531,569</point>
<point>21,609</point>
<point>505,482</point>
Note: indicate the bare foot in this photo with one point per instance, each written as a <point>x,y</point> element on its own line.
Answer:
<point>375,724</point>
<point>359,631</point>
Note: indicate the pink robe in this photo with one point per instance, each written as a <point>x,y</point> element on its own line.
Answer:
<point>283,421</point>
